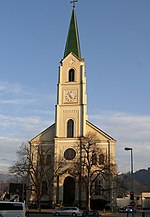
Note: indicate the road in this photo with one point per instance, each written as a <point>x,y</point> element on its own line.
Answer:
<point>103,215</point>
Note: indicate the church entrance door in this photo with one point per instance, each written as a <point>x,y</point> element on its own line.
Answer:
<point>69,191</point>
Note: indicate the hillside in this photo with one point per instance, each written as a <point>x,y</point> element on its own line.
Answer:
<point>4,177</point>
<point>141,181</point>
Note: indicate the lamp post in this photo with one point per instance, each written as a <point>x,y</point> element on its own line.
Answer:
<point>132,192</point>
<point>130,149</point>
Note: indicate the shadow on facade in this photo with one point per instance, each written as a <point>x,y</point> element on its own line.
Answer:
<point>98,204</point>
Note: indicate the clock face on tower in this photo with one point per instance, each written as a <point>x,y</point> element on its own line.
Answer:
<point>70,96</point>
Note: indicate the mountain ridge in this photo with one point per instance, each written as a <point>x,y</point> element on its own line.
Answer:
<point>141,182</point>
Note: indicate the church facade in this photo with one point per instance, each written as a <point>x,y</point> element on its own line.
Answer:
<point>63,139</point>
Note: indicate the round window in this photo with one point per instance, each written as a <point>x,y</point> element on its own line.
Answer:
<point>69,154</point>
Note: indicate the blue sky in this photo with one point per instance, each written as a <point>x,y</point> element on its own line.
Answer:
<point>115,43</point>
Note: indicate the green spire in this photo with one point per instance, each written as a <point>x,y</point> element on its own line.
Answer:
<point>72,43</point>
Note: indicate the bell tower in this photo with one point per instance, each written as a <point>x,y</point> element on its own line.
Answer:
<point>71,88</point>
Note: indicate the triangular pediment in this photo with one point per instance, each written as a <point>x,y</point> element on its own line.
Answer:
<point>70,56</point>
<point>46,136</point>
<point>101,134</point>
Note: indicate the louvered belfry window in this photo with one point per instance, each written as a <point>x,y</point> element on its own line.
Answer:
<point>71,75</point>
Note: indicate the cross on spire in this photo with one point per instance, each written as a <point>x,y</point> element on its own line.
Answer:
<point>74,2</point>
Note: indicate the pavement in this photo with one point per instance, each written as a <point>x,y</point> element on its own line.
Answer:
<point>51,211</point>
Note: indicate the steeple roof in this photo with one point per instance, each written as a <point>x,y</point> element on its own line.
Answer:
<point>72,43</point>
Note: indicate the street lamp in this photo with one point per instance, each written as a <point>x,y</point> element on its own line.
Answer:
<point>131,198</point>
<point>130,149</point>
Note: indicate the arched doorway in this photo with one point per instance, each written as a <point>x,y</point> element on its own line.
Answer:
<point>69,191</point>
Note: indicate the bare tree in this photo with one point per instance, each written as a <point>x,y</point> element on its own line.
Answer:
<point>94,165</point>
<point>34,167</point>
<point>21,166</point>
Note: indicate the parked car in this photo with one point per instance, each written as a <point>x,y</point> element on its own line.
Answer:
<point>128,209</point>
<point>146,208</point>
<point>90,213</point>
<point>12,209</point>
<point>72,211</point>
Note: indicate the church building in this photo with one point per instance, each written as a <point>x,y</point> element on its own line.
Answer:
<point>62,141</point>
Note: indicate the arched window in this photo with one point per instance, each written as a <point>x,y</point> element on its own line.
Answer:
<point>94,159</point>
<point>98,187</point>
<point>70,128</point>
<point>71,75</point>
<point>101,159</point>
